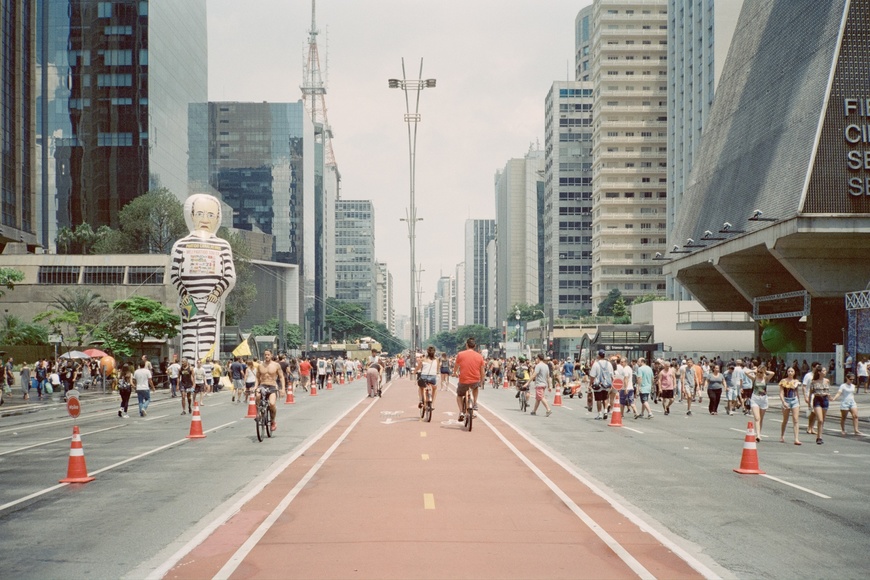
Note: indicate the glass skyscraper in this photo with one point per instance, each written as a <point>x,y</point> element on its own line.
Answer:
<point>115,81</point>
<point>355,266</point>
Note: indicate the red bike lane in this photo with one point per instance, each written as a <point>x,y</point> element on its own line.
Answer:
<point>394,497</point>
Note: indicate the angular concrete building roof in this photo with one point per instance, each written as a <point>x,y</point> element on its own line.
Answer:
<point>789,135</point>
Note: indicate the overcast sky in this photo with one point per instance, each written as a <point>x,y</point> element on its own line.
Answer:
<point>494,61</point>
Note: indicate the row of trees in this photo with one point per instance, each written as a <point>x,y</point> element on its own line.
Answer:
<point>82,317</point>
<point>345,321</point>
<point>453,342</point>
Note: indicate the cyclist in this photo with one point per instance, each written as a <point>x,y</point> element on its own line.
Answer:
<point>469,367</point>
<point>427,369</point>
<point>522,374</point>
<point>268,376</point>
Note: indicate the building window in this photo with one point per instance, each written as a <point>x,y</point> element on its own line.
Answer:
<point>103,275</point>
<point>141,275</point>
<point>114,139</point>
<point>115,80</point>
<point>58,275</point>
<point>104,10</point>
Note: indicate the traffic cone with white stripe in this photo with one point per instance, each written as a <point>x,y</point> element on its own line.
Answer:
<point>616,414</point>
<point>340,378</point>
<point>749,460</point>
<point>505,385</point>
<point>291,400</point>
<point>252,407</point>
<point>196,424</point>
<point>557,400</point>
<point>313,390</point>
<point>329,383</point>
<point>76,471</point>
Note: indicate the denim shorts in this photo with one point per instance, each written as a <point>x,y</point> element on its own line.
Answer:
<point>822,402</point>
<point>792,403</point>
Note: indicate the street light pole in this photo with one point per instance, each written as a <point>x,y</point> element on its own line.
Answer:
<point>416,86</point>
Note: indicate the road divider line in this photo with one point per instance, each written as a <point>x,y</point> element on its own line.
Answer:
<point>57,440</point>
<point>422,433</point>
<point>602,534</point>
<point>678,550</point>
<point>630,429</point>
<point>239,556</point>
<point>428,501</point>
<point>157,417</point>
<point>794,485</point>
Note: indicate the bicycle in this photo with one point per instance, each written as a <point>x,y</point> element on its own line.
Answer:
<point>468,409</point>
<point>264,415</point>
<point>426,409</point>
<point>522,396</point>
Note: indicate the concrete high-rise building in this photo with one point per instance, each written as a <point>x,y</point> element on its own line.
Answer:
<point>567,199</point>
<point>116,80</point>
<point>583,45</point>
<point>459,301</point>
<point>261,160</point>
<point>478,233</point>
<point>18,120</point>
<point>385,313</point>
<point>403,327</point>
<point>443,305</point>
<point>699,37</point>
<point>629,173</point>
<point>355,269</point>
<point>517,214</point>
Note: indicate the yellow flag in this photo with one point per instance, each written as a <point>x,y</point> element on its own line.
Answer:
<point>243,349</point>
<point>210,353</point>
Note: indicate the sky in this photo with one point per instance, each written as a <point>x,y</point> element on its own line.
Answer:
<point>494,61</point>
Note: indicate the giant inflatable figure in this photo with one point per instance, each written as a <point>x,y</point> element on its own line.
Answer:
<point>203,273</point>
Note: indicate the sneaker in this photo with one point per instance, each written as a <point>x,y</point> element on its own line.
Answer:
<point>234,399</point>
<point>120,414</point>
<point>589,408</point>
<point>184,412</point>
<point>549,413</point>
<point>819,441</point>
<point>126,416</point>
<point>639,416</point>
<point>688,413</point>
<point>667,411</point>
<point>420,405</point>
<point>605,416</point>
<point>649,416</point>
<point>517,396</point>
<point>474,407</point>
<point>598,417</point>
<point>462,417</point>
<point>144,413</point>
<point>533,413</point>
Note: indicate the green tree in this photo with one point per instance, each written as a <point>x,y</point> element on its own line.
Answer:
<point>66,323</point>
<point>606,306</point>
<point>245,291</point>
<point>147,317</point>
<point>90,306</point>
<point>648,298</point>
<point>15,331</point>
<point>149,224</point>
<point>445,341</point>
<point>292,332</point>
<point>483,335</point>
<point>8,278</point>
<point>344,319</point>
<point>620,309</point>
<point>81,240</point>
<point>527,312</point>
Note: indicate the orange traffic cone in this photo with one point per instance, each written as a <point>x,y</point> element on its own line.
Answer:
<point>329,383</point>
<point>196,424</point>
<point>341,378</point>
<point>505,385</point>
<point>291,400</point>
<point>557,400</point>
<point>313,388</point>
<point>749,460</point>
<point>616,415</point>
<point>76,471</point>
<point>252,407</point>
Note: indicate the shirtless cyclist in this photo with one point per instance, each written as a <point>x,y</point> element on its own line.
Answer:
<point>269,375</point>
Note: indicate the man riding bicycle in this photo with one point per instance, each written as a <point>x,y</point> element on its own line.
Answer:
<point>522,375</point>
<point>268,375</point>
<point>469,367</point>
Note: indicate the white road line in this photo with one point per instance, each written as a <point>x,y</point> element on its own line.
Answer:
<point>258,534</point>
<point>61,439</point>
<point>157,417</point>
<point>13,503</point>
<point>696,564</point>
<point>623,554</point>
<point>630,429</point>
<point>782,481</point>
<point>201,537</point>
<point>567,407</point>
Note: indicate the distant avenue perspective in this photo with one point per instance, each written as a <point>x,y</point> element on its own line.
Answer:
<point>651,359</point>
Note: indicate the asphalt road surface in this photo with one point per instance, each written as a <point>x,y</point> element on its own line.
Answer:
<point>662,492</point>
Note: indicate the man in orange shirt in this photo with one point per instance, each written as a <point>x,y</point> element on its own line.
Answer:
<point>469,367</point>
<point>304,373</point>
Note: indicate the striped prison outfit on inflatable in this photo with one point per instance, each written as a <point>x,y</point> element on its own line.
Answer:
<point>202,267</point>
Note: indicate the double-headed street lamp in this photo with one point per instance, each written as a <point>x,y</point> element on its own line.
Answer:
<point>412,86</point>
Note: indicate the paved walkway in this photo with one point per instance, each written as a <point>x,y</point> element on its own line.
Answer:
<point>384,495</point>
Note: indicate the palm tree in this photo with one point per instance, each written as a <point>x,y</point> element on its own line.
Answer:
<point>14,331</point>
<point>91,307</point>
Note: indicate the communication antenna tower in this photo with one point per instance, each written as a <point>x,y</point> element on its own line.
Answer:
<point>314,90</point>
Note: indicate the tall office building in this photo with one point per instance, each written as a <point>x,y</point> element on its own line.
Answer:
<point>583,45</point>
<point>355,270</point>
<point>459,301</point>
<point>567,215</point>
<point>115,83</point>
<point>442,305</point>
<point>385,313</point>
<point>478,233</point>
<point>699,37</point>
<point>629,173</point>
<point>18,116</point>
<point>260,160</point>
<point>517,214</point>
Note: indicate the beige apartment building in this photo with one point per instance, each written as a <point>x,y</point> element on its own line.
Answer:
<point>629,173</point>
